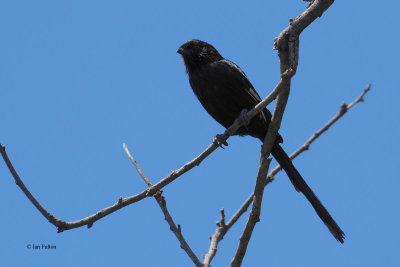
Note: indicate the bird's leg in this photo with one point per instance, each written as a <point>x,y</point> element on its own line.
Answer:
<point>243,118</point>
<point>219,141</point>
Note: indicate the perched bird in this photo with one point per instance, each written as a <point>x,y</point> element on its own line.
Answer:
<point>224,91</point>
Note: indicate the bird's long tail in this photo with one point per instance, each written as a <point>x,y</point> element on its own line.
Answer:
<point>301,186</point>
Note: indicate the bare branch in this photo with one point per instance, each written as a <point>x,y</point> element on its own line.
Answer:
<point>268,143</point>
<point>19,182</point>
<point>215,238</point>
<point>222,230</point>
<point>139,170</point>
<point>254,216</point>
<point>122,202</point>
<point>287,45</point>
<point>163,205</point>
<point>343,109</point>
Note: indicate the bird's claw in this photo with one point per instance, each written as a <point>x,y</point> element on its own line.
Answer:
<point>219,141</point>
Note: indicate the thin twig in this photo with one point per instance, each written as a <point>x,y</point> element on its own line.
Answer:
<point>163,205</point>
<point>215,238</point>
<point>343,109</point>
<point>139,170</point>
<point>19,182</point>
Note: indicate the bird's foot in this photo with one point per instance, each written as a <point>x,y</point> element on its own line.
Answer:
<point>219,140</point>
<point>243,118</point>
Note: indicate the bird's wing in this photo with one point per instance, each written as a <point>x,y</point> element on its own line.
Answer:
<point>230,74</point>
<point>235,68</point>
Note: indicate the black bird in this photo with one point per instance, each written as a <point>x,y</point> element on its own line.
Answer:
<point>224,91</point>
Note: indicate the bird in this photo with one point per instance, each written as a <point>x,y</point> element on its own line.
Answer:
<point>224,91</point>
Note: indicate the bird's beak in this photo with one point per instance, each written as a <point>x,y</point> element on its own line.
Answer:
<point>180,51</point>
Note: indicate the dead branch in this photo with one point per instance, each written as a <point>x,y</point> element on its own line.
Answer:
<point>287,45</point>
<point>343,109</point>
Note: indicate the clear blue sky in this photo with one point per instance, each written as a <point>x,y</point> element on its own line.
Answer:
<point>79,78</point>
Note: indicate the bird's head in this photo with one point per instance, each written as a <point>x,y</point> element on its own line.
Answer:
<point>196,53</point>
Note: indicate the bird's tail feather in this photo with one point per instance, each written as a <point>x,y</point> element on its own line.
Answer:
<point>301,186</point>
